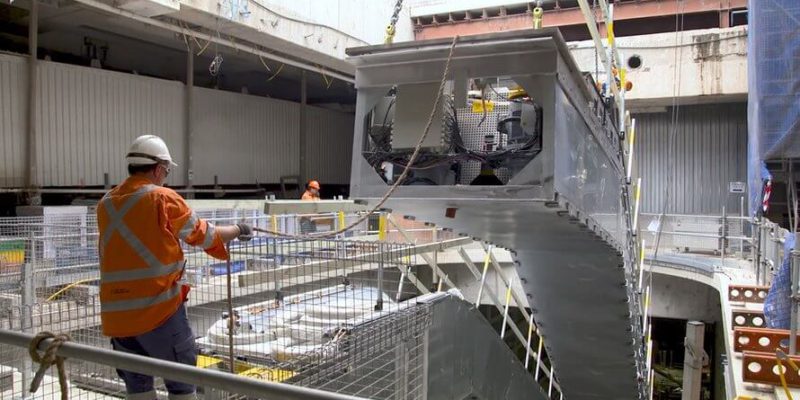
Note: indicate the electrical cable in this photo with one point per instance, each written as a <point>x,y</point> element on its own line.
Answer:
<point>264,64</point>
<point>403,175</point>
<point>276,73</point>
<point>328,82</point>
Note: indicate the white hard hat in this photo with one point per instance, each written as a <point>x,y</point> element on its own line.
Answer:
<point>147,150</point>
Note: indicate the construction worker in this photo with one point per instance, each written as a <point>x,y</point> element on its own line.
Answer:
<point>141,225</point>
<point>312,191</point>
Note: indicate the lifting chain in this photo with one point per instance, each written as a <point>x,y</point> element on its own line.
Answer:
<point>391,28</point>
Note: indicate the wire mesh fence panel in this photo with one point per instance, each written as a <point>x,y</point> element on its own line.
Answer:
<point>307,312</point>
<point>291,301</point>
<point>381,358</point>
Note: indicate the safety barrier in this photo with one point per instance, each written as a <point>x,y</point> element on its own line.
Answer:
<point>297,304</point>
<point>336,289</point>
<point>230,383</point>
<point>722,235</point>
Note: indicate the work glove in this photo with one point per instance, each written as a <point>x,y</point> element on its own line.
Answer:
<point>245,232</point>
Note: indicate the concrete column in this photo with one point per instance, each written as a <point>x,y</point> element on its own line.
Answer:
<point>693,360</point>
<point>302,128</point>
<point>188,123</point>
<point>31,178</point>
<point>725,18</point>
<point>725,14</point>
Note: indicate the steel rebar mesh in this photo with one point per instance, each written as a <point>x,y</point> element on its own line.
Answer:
<point>304,310</point>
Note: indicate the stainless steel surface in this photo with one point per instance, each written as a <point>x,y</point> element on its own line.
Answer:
<point>175,371</point>
<point>13,79</point>
<point>476,364</point>
<point>561,215</point>
<point>414,100</point>
<point>710,152</point>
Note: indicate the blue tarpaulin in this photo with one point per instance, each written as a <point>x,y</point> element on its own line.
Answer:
<point>778,304</point>
<point>773,64</point>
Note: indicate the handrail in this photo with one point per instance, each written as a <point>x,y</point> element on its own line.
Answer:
<point>175,371</point>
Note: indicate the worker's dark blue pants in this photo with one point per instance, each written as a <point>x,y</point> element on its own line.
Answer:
<point>172,341</point>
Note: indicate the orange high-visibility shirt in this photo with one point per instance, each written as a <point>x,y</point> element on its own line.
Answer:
<point>141,261</point>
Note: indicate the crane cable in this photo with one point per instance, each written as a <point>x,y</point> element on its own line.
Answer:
<point>400,180</point>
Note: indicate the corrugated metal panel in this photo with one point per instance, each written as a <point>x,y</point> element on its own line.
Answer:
<point>13,100</point>
<point>244,139</point>
<point>88,117</point>
<point>710,152</point>
<point>330,145</point>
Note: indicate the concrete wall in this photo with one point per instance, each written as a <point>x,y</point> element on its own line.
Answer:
<point>363,19</point>
<point>712,66</point>
<point>679,298</point>
<point>430,7</point>
<point>316,31</point>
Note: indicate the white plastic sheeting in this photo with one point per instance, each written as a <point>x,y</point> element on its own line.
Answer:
<point>88,117</point>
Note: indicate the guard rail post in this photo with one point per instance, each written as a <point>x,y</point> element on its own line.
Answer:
<point>794,265</point>
<point>724,236</point>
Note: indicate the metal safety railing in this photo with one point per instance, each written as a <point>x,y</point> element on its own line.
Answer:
<point>230,383</point>
<point>542,369</point>
<point>722,235</point>
<point>298,305</point>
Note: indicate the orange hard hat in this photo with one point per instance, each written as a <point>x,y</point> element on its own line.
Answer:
<point>313,185</point>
